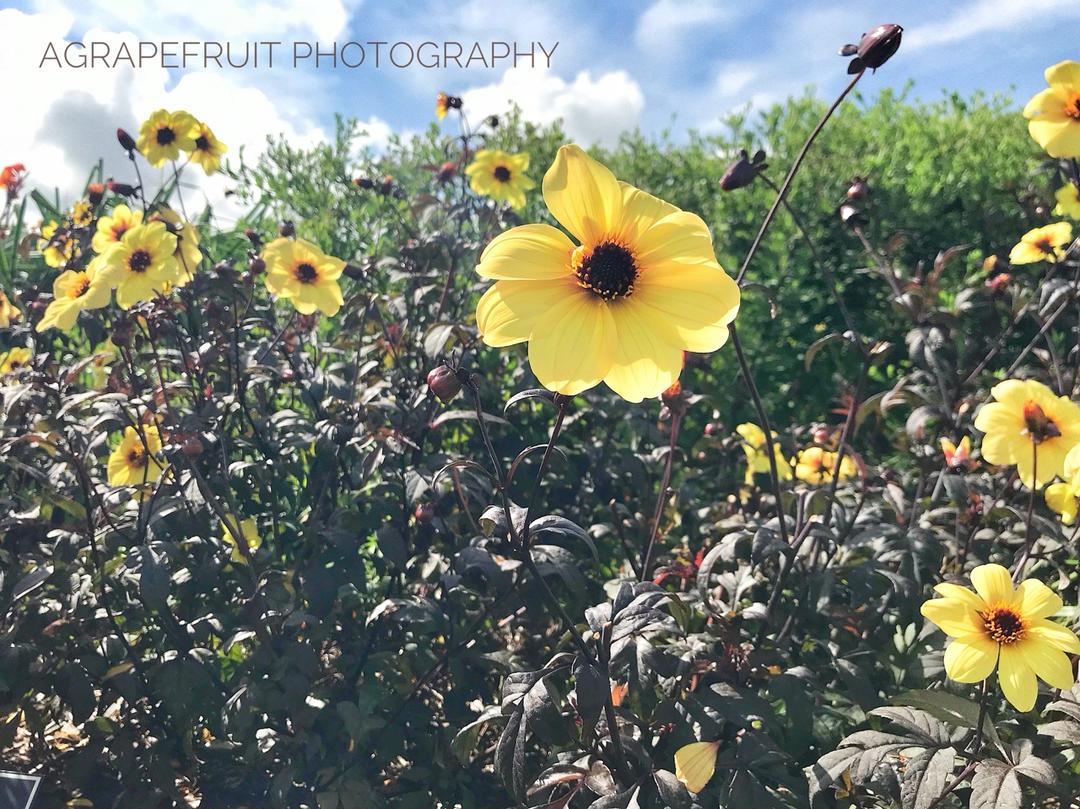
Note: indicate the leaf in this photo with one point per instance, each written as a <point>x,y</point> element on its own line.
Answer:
<point>925,778</point>
<point>510,754</point>
<point>590,690</point>
<point>525,395</point>
<point>818,344</point>
<point>923,726</point>
<point>861,755</point>
<point>562,527</point>
<point>995,786</point>
<point>949,707</point>
<point>392,546</point>
<point>459,415</point>
<point>31,581</point>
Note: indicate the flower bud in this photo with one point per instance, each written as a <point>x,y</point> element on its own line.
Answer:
<point>851,216</point>
<point>743,170</point>
<point>122,189</point>
<point>875,47</point>
<point>95,192</point>
<point>714,428</point>
<point>443,382</point>
<point>859,190</point>
<point>492,121</point>
<point>446,171</point>
<point>386,184</point>
<point>425,513</point>
<point>364,182</point>
<point>253,237</point>
<point>256,265</point>
<point>287,229</point>
<point>192,447</point>
<point>127,143</point>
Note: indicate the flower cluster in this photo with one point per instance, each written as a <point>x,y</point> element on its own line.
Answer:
<point>166,134</point>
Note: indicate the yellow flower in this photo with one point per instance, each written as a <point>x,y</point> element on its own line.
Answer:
<point>187,253</point>
<point>695,764</point>
<point>57,246</point>
<point>1068,201</point>
<point>208,149</point>
<point>9,312</point>
<point>1028,426</point>
<point>111,229</point>
<point>815,465</point>
<point>165,134</point>
<point>133,462</point>
<point>82,213</point>
<point>300,271</point>
<point>250,533</point>
<point>642,287</point>
<point>442,104</point>
<point>500,176</point>
<point>757,459</point>
<point>14,359</point>
<point>1054,113</point>
<point>957,457</point>
<point>999,626</point>
<point>143,263</point>
<point>76,290</point>
<point>1063,498</point>
<point>1042,244</point>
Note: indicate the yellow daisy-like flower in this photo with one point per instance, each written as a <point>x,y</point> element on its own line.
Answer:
<point>9,312</point>
<point>82,213</point>
<point>111,228</point>
<point>1029,426</point>
<point>1042,244</point>
<point>757,459</point>
<point>300,271</point>
<point>1064,498</point>
<point>57,246</point>
<point>1054,113</point>
<point>695,764</point>
<point>133,462</point>
<point>208,149</point>
<point>250,532</point>
<point>187,253</point>
<point>442,104</point>
<point>143,263</point>
<point>15,359</point>
<point>165,134</point>
<point>501,176</point>
<point>815,465</point>
<point>640,288</point>
<point>1068,201</point>
<point>76,290</point>
<point>998,626</point>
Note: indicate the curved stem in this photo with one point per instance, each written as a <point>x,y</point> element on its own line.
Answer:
<point>661,496</point>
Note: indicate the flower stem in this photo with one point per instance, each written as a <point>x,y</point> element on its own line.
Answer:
<point>661,496</point>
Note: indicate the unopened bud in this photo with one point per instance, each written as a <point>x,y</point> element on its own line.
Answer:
<point>446,171</point>
<point>851,216</point>
<point>192,447</point>
<point>253,237</point>
<point>95,192</point>
<point>364,182</point>
<point>425,513</point>
<point>443,382</point>
<point>287,229</point>
<point>859,190</point>
<point>127,143</point>
<point>743,170</point>
<point>257,265</point>
<point>122,189</point>
<point>875,47</point>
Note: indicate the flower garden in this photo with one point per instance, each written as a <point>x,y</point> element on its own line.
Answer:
<point>490,470</point>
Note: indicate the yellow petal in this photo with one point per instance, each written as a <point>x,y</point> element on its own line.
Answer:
<point>1035,600</point>
<point>679,238</point>
<point>970,659</point>
<point>955,591</point>
<point>507,313</point>
<point>645,363</point>
<point>1058,138</point>
<point>1018,682</point>
<point>993,583</point>
<point>640,211</point>
<point>1066,73</point>
<point>1054,633</point>
<point>955,618</point>
<point>1060,498</point>
<point>1072,463</point>
<point>1024,253</point>
<point>571,349</point>
<point>583,195</point>
<point>1050,101</point>
<point>699,302</point>
<point>695,764</point>
<point>527,253</point>
<point>1048,662</point>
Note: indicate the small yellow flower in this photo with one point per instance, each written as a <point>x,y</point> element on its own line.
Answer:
<point>165,134</point>
<point>1042,244</point>
<point>134,462</point>
<point>82,214</point>
<point>998,626</point>
<point>695,764</point>
<point>187,253</point>
<point>500,176</point>
<point>300,271</point>
<point>442,104</point>
<point>143,263</point>
<point>641,286</point>
<point>1029,426</point>
<point>208,149</point>
<point>14,359</point>
<point>9,312</point>
<point>1063,498</point>
<point>1068,201</point>
<point>111,228</point>
<point>957,456</point>
<point>815,465</point>
<point>76,290</point>
<point>250,532</point>
<point>1054,113</point>
<point>757,459</point>
<point>57,246</point>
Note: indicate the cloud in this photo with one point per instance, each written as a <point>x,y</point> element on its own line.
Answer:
<point>664,26</point>
<point>983,17</point>
<point>592,110</point>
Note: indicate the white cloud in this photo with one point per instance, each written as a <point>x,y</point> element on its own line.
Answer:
<point>592,110</point>
<point>983,17</point>
<point>664,25</point>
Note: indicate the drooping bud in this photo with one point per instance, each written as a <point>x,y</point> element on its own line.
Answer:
<point>122,189</point>
<point>859,190</point>
<point>192,447</point>
<point>287,229</point>
<point>253,237</point>
<point>443,382</point>
<point>851,216</point>
<point>875,47</point>
<point>257,265</point>
<point>364,182</point>
<point>95,192</point>
<point>425,513</point>
<point>127,143</point>
<point>743,170</point>
<point>446,171</point>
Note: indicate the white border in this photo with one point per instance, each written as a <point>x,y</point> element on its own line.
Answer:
<point>22,776</point>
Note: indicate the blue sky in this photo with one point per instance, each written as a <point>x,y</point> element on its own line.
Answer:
<point>655,64</point>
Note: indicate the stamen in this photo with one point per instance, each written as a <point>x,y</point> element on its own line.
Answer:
<point>1003,625</point>
<point>165,136</point>
<point>502,174</point>
<point>608,270</point>
<point>140,261</point>
<point>1037,424</point>
<point>306,273</point>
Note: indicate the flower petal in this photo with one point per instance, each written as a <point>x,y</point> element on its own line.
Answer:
<point>1052,632</point>
<point>1018,682</point>
<point>527,253</point>
<point>507,313</point>
<point>955,618</point>
<point>646,361</point>
<point>571,348</point>
<point>1048,102</point>
<point>695,764</point>
<point>1065,73</point>
<point>679,238</point>
<point>1035,600</point>
<point>699,302</point>
<point>583,195</point>
<point>1048,662</point>
<point>955,591</point>
<point>970,659</point>
<point>993,583</point>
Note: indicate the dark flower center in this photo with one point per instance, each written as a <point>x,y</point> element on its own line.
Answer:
<point>502,174</point>
<point>140,261</point>
<point>1045,246</point>
<point>305,273</point>
<point>118,231</point>
<point>81,288</point>
<point>136,457</point>
<point>1037,424</point>
<point>1003,625</point>
<point>1072,108</point>
<point>608,271</point>
<point>165,136</point>
<point>202,144</point>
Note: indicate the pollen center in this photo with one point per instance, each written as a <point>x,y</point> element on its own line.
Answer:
<point>608,270</point>
<point>1072,107</point>
<point>1003,625</point>
<point>1038,426</point>
<point>1045,246</point>
<point>202,144</point>
<point>305,273</point>
<point>502,174</point>
<point>139,262</point>
<point>80,288</point>
<point>165,136</point>
<point>136,457</point>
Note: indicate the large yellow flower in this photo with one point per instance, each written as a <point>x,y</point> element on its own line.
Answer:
<point>143,263</point>
<point>187,252</point>
<point>1068,201</point>
<point>76,290</point>
<point>1007,628</point>
<point>15,359</point>
<point>9,312</point>
<point>165,134</point>
<point>815,465</point>
<point>134,462</point>
<point>207,150</point>
<point>757,459</point>
<point>300,271</point>
<point>1042,244</point>
<point>1029,426</point>
<point>1054,113</point>
<point>250,532</point>
<point>500,176</point>
<point>642,286</point>
<point>1063,498</point>
<point>111,228</point>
